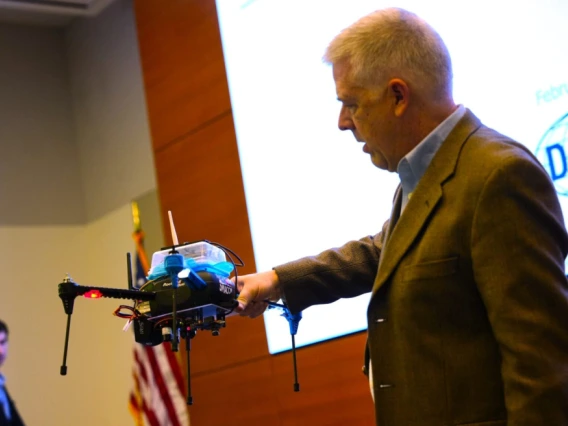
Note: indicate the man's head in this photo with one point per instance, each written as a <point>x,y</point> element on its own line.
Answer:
<point>3,342</point>
<point>393,75</point>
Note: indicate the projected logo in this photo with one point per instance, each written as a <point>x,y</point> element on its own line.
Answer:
<point>552,151</point>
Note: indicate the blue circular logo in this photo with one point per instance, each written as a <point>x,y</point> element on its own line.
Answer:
<point>552,152</point>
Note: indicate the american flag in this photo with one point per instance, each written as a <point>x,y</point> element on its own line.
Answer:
<point>158,397</point>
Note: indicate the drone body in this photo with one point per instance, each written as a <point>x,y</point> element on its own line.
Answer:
<point>203,308</point>
<point>189,289</point>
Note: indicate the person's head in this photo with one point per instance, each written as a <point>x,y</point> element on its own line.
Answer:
<point>3,342</point>
<point>393,75</point>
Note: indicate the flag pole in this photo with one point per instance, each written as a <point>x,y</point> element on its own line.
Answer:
<point>136,403</point>
<point>136,216</point>
<point>138,236</point>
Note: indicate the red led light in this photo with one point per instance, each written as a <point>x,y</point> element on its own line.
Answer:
<point>93,294</point>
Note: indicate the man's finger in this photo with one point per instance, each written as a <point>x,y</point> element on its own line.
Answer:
<point>257,309</point>
<point>242,304</point>
<point>238,284</point>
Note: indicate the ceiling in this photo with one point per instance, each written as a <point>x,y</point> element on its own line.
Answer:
<point>49,12</point>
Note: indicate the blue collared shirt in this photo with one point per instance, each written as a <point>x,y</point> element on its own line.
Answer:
<point>412,167</point>
<point>4,404</point>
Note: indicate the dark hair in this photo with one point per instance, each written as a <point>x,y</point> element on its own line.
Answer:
<point>3,327</point>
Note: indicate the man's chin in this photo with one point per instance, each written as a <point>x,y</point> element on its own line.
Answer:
<point>380,163</point>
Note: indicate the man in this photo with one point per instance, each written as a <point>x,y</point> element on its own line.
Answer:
<point>468,317</point>
<point>9,415</point>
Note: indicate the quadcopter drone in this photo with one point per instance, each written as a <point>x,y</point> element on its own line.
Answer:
<point>188,289</point>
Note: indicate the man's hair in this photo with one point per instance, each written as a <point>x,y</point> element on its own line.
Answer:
<point>3,327</point>
<point>391,43</point>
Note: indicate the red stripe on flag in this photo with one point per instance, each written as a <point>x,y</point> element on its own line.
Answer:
<point>175,367</point>
<point>144,385</point>
<point>140,366</point>
<point>162,387</point>
<point>150,416</point>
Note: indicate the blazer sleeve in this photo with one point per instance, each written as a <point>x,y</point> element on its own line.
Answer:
<point>343,272</point>
<point>519,245</point>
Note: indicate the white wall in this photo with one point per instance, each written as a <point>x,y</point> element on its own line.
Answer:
<point>74,151</point>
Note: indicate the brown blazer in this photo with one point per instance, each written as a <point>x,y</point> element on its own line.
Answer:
<point>468,318</point>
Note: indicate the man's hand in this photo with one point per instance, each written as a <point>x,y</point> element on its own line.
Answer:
<point>254,290</point>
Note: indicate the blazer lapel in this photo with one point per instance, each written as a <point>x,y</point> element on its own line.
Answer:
<point>424,199</point>
<point>395,213</point>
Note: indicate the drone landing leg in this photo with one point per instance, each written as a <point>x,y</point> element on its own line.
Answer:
<point>296,384</point>
<point>293,322</point>
<point>188,337</point>
<point>67,293</point>
<point>63,370</point>
<point>174,320</point>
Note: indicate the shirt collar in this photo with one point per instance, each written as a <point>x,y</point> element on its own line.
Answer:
<point>413,165</point>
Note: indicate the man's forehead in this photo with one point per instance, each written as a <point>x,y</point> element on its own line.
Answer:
<point>345,85</point>
<point>346,90</point>
<point>341,73</point>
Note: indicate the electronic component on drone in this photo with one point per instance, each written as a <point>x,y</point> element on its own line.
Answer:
<point>189,289</point>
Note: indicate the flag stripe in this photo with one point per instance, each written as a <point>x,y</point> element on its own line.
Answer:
<point>150,404</point>
<point>165,357</point>
<point>173,363</point>
<point>162,386</point>
<point>150,416</point>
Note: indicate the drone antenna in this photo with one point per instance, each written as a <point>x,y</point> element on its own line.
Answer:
<point>173,228</point>
<point>174,264</point>
<point>129,271</point>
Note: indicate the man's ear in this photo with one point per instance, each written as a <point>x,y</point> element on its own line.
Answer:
<point>400,95</point>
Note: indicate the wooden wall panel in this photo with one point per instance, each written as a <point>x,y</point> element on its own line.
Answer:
<point>333,388</point>
<point>242,395</point>
<point>199,180</point>
<point>234,379</point>
<point>184,76</point>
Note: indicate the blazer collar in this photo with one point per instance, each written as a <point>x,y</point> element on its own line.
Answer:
<point>402,232</point>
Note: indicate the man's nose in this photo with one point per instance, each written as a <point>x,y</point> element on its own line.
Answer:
<point>345,122</point>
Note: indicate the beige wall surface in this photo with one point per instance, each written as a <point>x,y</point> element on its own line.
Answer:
<point>74,151</point>
<point>36,259</point>
<point>39,173</point>
<point>109,108</point>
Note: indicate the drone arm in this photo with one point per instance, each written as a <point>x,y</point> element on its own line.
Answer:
<point>115,293</point>
<point>68,290</point>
